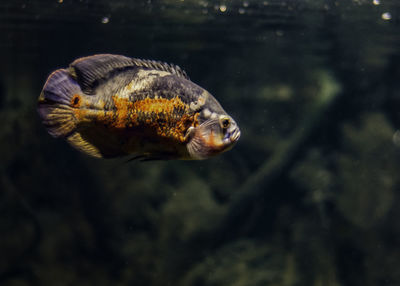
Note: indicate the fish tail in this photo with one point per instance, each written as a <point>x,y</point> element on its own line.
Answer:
<point>61,94</point>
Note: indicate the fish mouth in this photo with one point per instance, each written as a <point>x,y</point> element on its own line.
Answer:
<point>235,135</point>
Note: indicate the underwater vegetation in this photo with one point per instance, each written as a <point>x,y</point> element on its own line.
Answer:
<point>308,196</point>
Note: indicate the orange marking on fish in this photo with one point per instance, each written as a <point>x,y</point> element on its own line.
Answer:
<point>158,116</point>
<point>211,139</point>
<point>75,101</point>
<point>196,119</point>
<point>123,106</point>
<point>159,105</point>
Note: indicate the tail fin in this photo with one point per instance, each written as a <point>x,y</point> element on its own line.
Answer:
<point>60,94</point>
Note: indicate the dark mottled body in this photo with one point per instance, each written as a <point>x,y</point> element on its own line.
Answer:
<point>110,105</point>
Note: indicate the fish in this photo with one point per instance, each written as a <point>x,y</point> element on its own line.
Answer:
<point>109,106</point>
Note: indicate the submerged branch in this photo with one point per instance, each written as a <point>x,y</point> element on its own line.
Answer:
<point>280,162</point>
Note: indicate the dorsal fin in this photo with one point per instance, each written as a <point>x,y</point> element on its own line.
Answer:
<point>89,71</point>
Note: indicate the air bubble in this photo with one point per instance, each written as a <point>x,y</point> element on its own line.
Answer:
<point>386,16</point>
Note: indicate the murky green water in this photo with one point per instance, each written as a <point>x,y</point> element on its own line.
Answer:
<point>309,195</point>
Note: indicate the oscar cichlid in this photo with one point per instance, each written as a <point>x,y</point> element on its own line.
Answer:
<point>110,105</point>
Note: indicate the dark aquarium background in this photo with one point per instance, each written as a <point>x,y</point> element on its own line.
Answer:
<point>309,195</point>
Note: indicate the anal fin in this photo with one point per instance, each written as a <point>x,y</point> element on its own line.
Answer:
<point>84,146</point>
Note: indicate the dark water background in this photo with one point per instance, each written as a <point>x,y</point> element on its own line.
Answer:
<point>309,196</point>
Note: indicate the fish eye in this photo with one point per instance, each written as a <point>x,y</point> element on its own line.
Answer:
<point>225,123</point>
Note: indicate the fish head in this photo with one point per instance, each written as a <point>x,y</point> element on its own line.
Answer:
<point>214,135</point>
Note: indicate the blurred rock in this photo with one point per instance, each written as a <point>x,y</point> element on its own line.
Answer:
<point>244,263</point>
